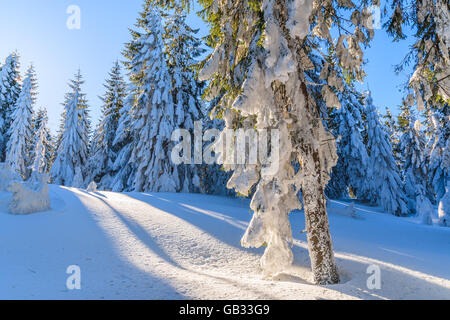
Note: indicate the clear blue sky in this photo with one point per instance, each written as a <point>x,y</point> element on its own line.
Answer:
<point>37,30</point>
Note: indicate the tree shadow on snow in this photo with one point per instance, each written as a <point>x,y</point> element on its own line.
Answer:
<point>146,238</point>
<point>225,219</point>
<point>106,273</point>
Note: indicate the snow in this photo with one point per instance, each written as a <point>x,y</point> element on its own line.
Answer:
<point>29,197</point>
<point>92,187</point>
<point>185,246</point>
<point>7,175</point>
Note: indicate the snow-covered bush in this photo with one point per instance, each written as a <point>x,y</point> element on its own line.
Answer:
<point>424,209</point>
<point>7,176</point>
<point>30,197</point>
<point>444,208</point>
<point>78,181</point>
<point>92,187</point>
<point>351,212</point>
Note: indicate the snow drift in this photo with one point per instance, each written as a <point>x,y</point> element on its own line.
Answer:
<point>30,197</point>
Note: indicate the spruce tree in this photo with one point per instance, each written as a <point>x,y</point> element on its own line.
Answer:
<point>183,48</point>
<point>153,116</point>
<point>412,144</point>
<point>73,143</point>
<point>9,93</point>
<point>41,136</point>
<point>258,70</point>
<point>384,186</point>
<point>17,155</point>
<point>123,169</point>
<point>42,144</point>
<point>103,154</point>
<point>392,129</point>
<point>351,169</point>
<point>438,172</point>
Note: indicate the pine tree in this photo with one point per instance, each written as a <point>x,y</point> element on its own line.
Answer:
<point>17,156</point>
<point>183,48</point>
<point>438,173</point>
<point>384,186</point>
<point>42,150</point>
<point>346,124</point>
<point>123,169</point>
<point>73,143</point>
<point>41,136</point>
<point>351,169</point>
<point>213,178</point>
<point>103,155</point>
<point>392,129</point>
<point>258,71</point>
<point>9,93</point>
<point>152,113</point>
<point>412,145</point>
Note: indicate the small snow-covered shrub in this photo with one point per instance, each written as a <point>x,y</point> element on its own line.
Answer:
<point>424,209</point>
<point>78,180</point>
<point>351,212</point>
<point>29,197</point>
<point>444,208</point>
<point>7,176</point>
<point>92,187</point>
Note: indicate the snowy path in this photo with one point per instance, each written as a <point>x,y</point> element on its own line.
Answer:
<point>178,246</point>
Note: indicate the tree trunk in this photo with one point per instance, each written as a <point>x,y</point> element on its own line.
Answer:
<point>318,232</point>
<point>320,245</point>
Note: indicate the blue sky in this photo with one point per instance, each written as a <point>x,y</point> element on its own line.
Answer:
<point>38,31</point>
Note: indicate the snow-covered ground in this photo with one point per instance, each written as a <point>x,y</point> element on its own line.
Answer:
<point>185,246</point>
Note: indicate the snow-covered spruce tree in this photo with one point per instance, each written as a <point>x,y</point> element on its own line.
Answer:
<point>258,66</point>
<point>152,112</point>
<point>103,154</point>
<point>346,124</point>
<point>183,48</point>
<point>17,155</point>
<point>9,93</point>
<point>213,178</point>
<point>412,144</point>
<point>384,185</point>
<point>393,130</point>
<point>41,149</point>
<point>438,173</point>
<point>73,142</point>
<point>42,145</point>
<point>122,170</point>
<point>351,169</point>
